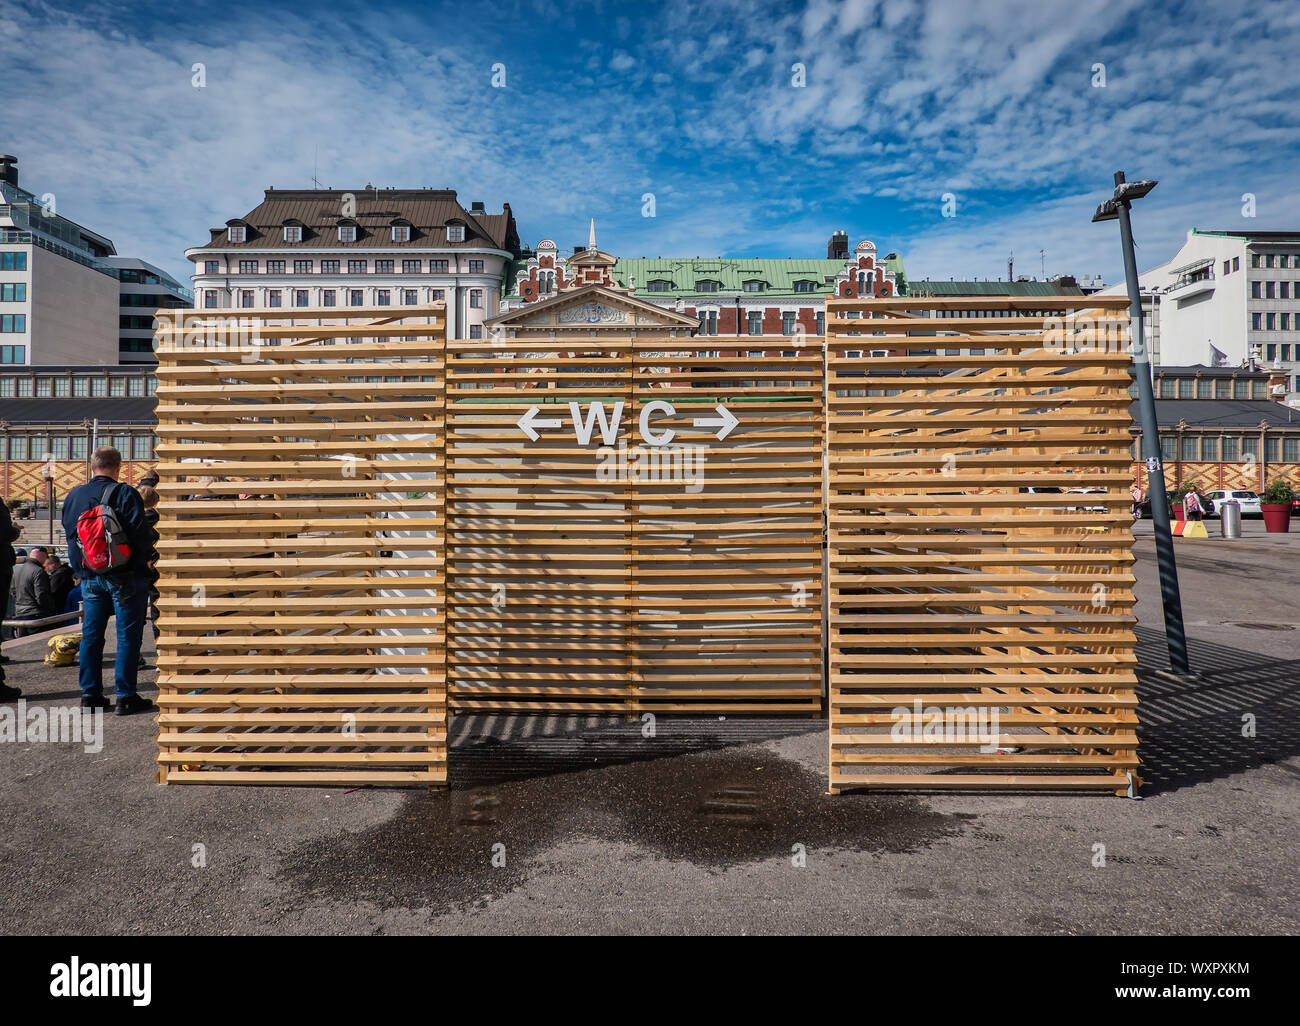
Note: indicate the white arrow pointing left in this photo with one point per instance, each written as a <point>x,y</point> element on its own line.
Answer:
<point>726,420</point>
<point>528,422</point>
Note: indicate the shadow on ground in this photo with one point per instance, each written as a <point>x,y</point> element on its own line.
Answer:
<point>1191,733</point>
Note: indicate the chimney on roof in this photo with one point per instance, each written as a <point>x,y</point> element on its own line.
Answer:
<point>838,246</point>
<point>477,207</point>
<point>9,169</point>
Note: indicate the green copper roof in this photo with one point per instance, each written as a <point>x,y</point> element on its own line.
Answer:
<point>990,288</point>
<point>731,273</point>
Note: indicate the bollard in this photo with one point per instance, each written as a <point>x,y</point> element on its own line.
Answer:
<point>1230,519</point>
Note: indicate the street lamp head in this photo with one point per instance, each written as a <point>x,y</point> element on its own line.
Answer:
<point>1108,211</point>
<point>1134,190</point>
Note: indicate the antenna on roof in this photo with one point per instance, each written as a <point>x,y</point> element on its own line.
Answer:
<point>315,166</point>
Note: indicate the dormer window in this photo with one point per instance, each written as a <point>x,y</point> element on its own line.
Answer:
<point>293,233</point>
<point>401,233</point>
<point>707,285</point>
<point>237,233</point>
<point>753,285</point>
<point>804,285</point>
<point>347,233</point>
<point>455,233</point>
<point>659,285</point>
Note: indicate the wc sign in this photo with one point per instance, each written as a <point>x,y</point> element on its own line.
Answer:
<point>585,426</point>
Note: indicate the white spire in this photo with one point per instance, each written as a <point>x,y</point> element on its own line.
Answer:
<point>591,236</point>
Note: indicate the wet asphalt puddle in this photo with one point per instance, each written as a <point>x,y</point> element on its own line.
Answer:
<point>714,808</point>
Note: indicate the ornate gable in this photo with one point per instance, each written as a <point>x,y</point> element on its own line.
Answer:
<point>593,310</point>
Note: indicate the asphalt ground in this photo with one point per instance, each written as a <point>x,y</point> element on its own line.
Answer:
<point>699,830</point>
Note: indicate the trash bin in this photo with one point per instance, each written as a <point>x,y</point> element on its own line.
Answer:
<point>1230,519</point>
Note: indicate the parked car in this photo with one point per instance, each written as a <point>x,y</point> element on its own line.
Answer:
<point>1248,501</point>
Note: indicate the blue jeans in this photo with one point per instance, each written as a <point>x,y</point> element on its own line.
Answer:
<point>125,596</point>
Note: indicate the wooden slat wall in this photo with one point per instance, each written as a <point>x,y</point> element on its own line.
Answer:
<point>302,633</point>
<point>573,593</point>
<point>952,588</point>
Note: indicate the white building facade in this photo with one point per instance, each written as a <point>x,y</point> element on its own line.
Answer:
<point>371,247</point>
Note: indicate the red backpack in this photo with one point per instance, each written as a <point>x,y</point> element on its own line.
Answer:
<point>104,547</point>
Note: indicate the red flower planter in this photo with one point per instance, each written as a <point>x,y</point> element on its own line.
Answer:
<point>1178,512</point>
<point>1277,517</point>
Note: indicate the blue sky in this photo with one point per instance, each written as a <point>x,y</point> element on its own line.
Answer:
<point>992,101</point>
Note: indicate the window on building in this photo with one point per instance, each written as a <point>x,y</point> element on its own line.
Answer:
<point>1231,449</point>
<point>476,331</point>
<point>1269,288</point>
<point>1209,449</point>
<point>62,388</point>
<point>803,285</point>
<point>347,233</point>
<point>329,267</point>
<point>821,323</point>
<point>356,297</point>
<point>1168,450</point>
<point>410,296</point>
<point>13,292</point>
<point>302,267</point>
<point>246,298</point>
<point>787,323</point>
<point>438,266</point>
<point>328,297</point>
<point>1284,322</point>
<point>659,285</point>
<point>1226,265</point>
<point>211,267</point>
<point>383,267</point>
<point>1222,388</point>
<point>1271,449</point>
<point>1254,260</point>
<point>1259,389</point>
<point>275,267</point>
<point>1270,321</point>
<point>455,233</point>
<point>1185,388</point>
<point>1291,450</point>
<point>754,286</point>
<point>12,261</point>
<point>80,447</point>
<point>401,233</point>
<point>236,233</point>
<point>1187,450</point>
<point>98,386</point>
<point>1204,388</point>
<point>292,233</point>
<point>1256,290</point>
<point>300,297</point>
<point>1270,260</point>
<point>116,386</point>
<point>707,285</point>
<point>382,298</point>
<point>476,298</point>
<point>1240,389</point>
<point>410,267</point>
<point>439,295</point>
<point>356,267</point>
<point>248,267</point>
<point>755,323</point>
<point>18,448</point>
<point>476,267</point>
<point>44,388</point>
<point>273,297</point>
<point>209,300</point>
<point>1256,322</point>
<point>1167,388</point>
<point>1236,263</point>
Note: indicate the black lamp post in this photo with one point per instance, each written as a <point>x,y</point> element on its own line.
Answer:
<point>1117,208</point>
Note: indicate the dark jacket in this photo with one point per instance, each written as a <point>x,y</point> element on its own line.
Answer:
<point>60,585</point>
<point>8,535</point>
<point>31,591</point>
<point>130,510</point>
<point>151,520</point>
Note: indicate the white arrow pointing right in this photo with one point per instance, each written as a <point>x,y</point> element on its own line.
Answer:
<point>527,422</point>
<point>726,421</point>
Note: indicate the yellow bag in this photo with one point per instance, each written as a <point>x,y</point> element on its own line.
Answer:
<point>64,649</point>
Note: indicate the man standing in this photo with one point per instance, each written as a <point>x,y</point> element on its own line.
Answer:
<point>60,583</point>
<point>122,592</point>
<point>31,590</point>
<point>8,535</point>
